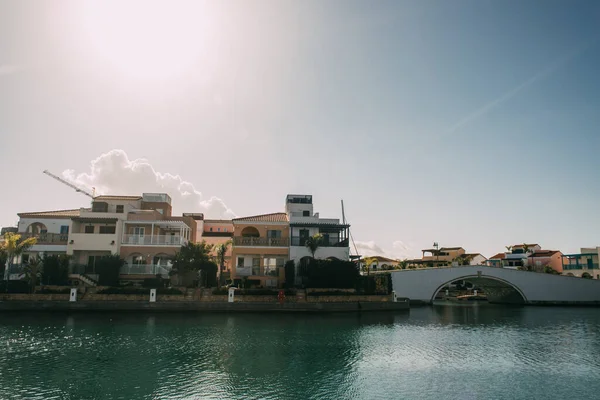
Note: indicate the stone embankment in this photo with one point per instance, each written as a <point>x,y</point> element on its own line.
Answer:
<point>203,300</point>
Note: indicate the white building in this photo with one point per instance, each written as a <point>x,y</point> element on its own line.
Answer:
<point>304,223</point>
<point>519,255</point>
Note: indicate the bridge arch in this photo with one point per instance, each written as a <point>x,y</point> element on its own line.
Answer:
<point>490,286</point>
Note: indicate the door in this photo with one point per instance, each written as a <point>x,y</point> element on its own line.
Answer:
<point>590,263</point>
<point>137,235</point>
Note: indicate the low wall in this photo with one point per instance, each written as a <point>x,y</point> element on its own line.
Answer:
<point>321,290</point>
<point>199,306</point>
<point>349,299</point>
<point>33,297</point>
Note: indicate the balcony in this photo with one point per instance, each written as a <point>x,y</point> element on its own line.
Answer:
<point>260,241</point>
<point>154,240</point>
<point>146,269</point>
<point>47,238</point>
<point>570,267</point>
<point>301,241</point>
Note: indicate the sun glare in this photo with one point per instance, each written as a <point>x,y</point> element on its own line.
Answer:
<point>149,38</point>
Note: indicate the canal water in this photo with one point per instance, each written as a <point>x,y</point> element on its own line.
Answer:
<point>441,352</point>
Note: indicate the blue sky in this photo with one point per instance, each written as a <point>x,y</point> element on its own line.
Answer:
<point>469,123</point>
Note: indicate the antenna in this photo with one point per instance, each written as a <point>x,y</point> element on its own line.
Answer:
<point>350,232</point>
<point>77,189</point>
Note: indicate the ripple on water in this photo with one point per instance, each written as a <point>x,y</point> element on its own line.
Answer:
<point>431,354</point>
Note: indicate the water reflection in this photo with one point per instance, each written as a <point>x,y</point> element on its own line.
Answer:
<point>418,355</point>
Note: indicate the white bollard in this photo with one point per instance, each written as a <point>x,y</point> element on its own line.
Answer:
<point>73,297</point>
<point>475,292</point>
<point>394,296</point>
<point>231,296</point>
<point>152,295</point>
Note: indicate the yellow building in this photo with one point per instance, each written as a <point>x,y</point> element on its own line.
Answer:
<point>260,249</point>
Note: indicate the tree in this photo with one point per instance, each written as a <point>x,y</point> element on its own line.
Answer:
<point>367,262</point>
<point>462,260</point>
<point>13,247</point>
<point>33,272</point>
<point>525,250</point>
<point>194,258</point>
<point>313,243</point>
<point>221,253</point>
<point>55,270</point>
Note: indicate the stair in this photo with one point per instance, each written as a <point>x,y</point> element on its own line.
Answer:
<point>85,279</point>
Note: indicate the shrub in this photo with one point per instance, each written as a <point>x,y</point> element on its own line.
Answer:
<point>14,287</point>
<point>55,270</point>
<point>332,274</point>
<point>155,283</point>
<point>134,290</point>
<point>290,273</point>
<point>108,268</point>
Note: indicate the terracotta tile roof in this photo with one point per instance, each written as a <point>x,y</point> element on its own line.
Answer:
<point>499,256</point>
<point>380,259</point>
<point>451,248</point>
<point>273,217</point>
<point>544,253</point>
<point>217,221</point>
<point>125,198</point>
<point>528,245</point>
<point>52,214</point>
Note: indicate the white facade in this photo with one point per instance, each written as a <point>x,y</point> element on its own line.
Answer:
<point>305,223</point>
<point>53,225</point>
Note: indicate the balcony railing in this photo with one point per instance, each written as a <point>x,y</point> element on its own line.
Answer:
<point>47,238</point>
<point>261,241</point>
<point>156,240</point>
<point>146,269</point>
<point>581,266</point>
<point>301,241</point>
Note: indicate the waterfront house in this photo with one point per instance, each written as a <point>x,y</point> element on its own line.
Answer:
<point>496,260</point>
<point>379,263</point>
<point>216,232</point>
<point>518,255</point>
<point>540,259</point>
<point>584,264</point>
<point>51,230</point>
<point>441,257</point>
<point>304,223</point>
<point>141,229</point>
<point>469,259</point>
<point>261,247</point>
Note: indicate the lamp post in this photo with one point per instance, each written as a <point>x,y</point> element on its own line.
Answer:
<point>437,253</point>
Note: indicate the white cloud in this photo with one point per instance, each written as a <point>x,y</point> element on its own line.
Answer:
<point>399,250</point>
<point>114,173</point>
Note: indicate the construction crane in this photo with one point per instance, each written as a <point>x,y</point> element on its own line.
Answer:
<point>78,190</point>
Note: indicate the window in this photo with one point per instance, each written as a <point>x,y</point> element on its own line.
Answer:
<point>240,261</point>
<point>89,229</point>
<point>25,258</point>
<point>306,213</point>
<point>120,208</point>
<point>99,206</point>
<point>137,231</point>
<point>219,229</point>
<point>211,229</point>
<point>64,230</point>
<point>224,229</point>
<point>107,229</point>
<point>273,234</point>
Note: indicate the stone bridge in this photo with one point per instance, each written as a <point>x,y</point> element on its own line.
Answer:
<point>503,286</point>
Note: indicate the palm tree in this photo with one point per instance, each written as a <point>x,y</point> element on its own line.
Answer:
<point>221,252</point>
<point>13,247</point>
<point>367,264</point>
<point>33,272</point>
<point>525,250</point>
<point>313,243</point>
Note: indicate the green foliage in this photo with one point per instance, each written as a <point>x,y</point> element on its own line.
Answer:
<point>549,270</point>
<point>13,246</point>
<point>14,287</point>
<point>313,243</point>
<point>195,257</point>
<point>33,272</point>
<point>374,284</point>
<point>143,291</point>
<point>55,270</point>
<point>108,269</point>
<point>155,283</point>
<point>290,273</point>
<point>332,274</point>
